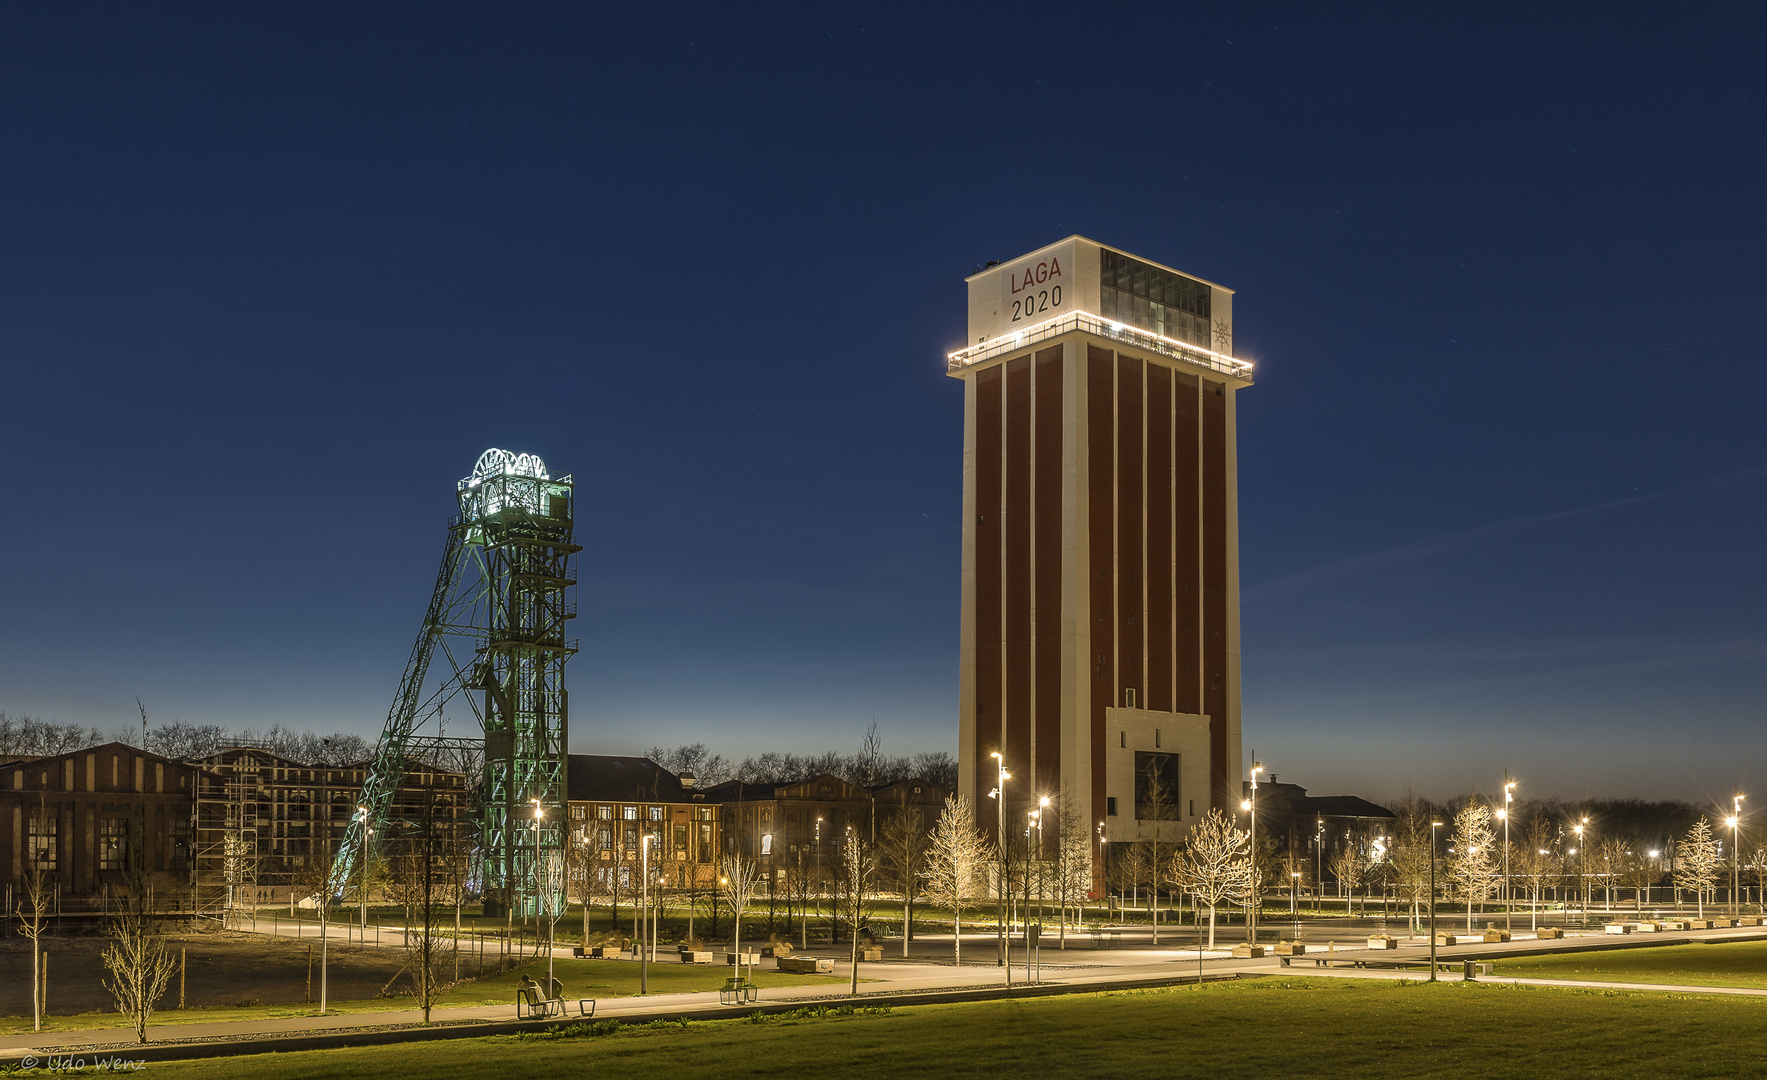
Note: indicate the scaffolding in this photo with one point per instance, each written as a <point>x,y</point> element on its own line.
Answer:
<point>498,614</point>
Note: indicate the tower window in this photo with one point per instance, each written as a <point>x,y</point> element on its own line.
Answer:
<point>1156,738</point>
<point>1128,697</point>
<point>1110,806</point>
<point>1123,739</point>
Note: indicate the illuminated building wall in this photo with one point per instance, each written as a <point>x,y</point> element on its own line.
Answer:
<point>1100,617</point>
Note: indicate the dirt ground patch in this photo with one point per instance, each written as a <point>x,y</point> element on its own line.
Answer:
<point>223,968</point>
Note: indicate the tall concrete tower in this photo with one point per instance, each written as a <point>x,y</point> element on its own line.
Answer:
<point>1100,637</point>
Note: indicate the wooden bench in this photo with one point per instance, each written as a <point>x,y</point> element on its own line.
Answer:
<point>1106,939</point>
<point>738,992</point>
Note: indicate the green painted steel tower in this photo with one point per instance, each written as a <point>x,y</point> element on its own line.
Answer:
<point>500,607</point>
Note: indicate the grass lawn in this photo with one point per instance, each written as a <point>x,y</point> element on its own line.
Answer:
<point>1739,963</point>
<point>1270,1027</point>
<point>581,978</point>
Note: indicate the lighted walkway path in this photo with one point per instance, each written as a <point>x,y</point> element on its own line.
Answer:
<point>1078,968</point>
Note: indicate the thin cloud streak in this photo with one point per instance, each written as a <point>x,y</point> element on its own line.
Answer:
<point>1340,569</point>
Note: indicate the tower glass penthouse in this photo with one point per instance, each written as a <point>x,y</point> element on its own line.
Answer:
<point>1100,615</point>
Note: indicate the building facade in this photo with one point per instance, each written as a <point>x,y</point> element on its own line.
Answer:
<point>1100,577</point>
<point>267,824</point>
<point>86,817</point>
<point>614,803</point>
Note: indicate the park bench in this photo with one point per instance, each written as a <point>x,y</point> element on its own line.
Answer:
<point>1106,939</point>
<point>738,992</point>
<point>540,1002</point>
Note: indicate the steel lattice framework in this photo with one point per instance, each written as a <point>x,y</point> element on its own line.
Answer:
<point>498,613</point>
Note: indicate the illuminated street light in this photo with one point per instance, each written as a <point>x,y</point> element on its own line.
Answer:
<point>1508,900</point>
<point>1252,854</point>
<point>999,797</point>
<point>1434,825</point>
<point>362,816</point>
<point>1735,856</point>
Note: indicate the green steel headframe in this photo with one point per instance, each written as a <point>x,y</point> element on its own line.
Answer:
<point>504,589</point>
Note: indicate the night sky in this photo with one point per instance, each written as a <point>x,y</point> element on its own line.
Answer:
<point>271,279</point>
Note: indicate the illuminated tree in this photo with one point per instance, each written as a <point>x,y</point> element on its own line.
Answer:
<point>956,860</point>
<point>1696,862</point>
<point>1214,864</point>
<point>1472,862</point>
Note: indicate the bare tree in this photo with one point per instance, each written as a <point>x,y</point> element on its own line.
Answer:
<point>312,882</point>
<point>1349,865</point>
<point>140,965</point>
<point>1471,865</point>
<point>1071,869</point>
<point>1534,862</point>
<point>1411,853</point>
<point>1157,810</point>
<point>1696,862</point>
<point>956,860</point>
<point>740,878</point>
<point>857,863</point>
<point>32,909</point>
<point>1213,864</point>
<point>902,854</point>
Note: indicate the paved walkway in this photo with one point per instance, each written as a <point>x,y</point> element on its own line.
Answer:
<point>1081,968</point>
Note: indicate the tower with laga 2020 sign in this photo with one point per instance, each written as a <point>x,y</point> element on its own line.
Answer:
<point>1100,614</point>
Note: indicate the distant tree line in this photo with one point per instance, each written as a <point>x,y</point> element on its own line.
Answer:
<point>868,766</point>
<point>30,736</point>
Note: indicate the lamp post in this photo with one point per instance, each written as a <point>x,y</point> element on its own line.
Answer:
<point>1103,863</point>
<point>1042,805</point>
<point>1434,825</point>
<point>644,901</point>
<point>819,873</point>
<point>1583,874</point>
<point>999,797</point>
<point>1251,805</point>
<point>1318,861</point>
<point>1735,856</point>
<point>362,815</point>
<point>1294,884</point>
<point>539,818</point>
<point>1508,798</point>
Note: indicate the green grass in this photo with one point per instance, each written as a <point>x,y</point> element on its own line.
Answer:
<point>1738,963</point>
<point>1358,1029</point>
<point>581,978</point>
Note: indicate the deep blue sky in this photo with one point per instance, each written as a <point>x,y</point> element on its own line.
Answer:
<point>271,279</point>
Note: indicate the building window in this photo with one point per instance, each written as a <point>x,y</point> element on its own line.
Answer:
<point>604,838</point>
<point>1140,294</point>
<point>656,813</point>
<point>578,813</point>
<point>1110,806</point>
<point>43,835</point>
<point>604,813</point>
<point>113,842</point>
<point>1156,786</point>
<point>1128,697</point>
<point>630,813</point>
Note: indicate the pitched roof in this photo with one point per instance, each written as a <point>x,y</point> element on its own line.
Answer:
<point>608,778</point>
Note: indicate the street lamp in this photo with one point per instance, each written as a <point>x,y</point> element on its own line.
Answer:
<point>644,901</point>
<point>362,816</point>
<point>1583,874</point>
<point>999,797</point>
<point>1294,884</point>
<point>1508,904</point>
<point>1252,805</point>
<point>1434,825</point>
<point>539,817</point>
<point>1735,855</point>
